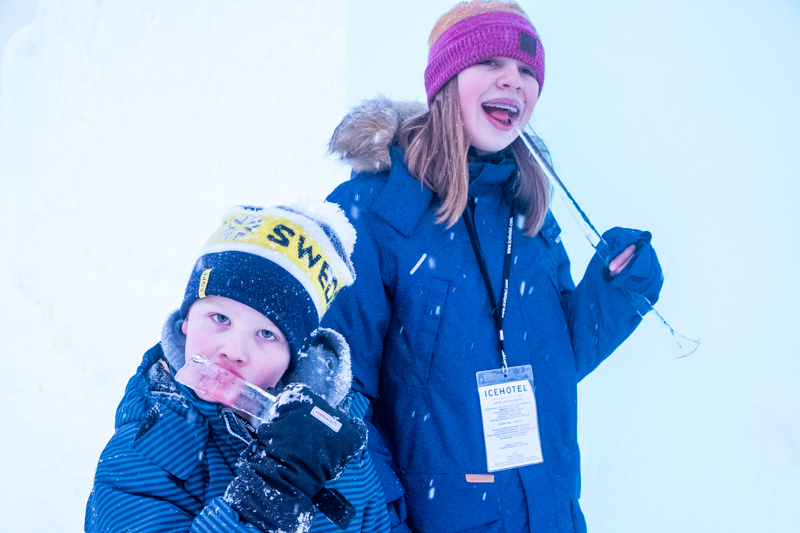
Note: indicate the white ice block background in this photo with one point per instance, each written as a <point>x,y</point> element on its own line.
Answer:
<point>127,128</point>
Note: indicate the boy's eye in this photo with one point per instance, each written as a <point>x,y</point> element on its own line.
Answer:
<point>527,72</point>
<point>486,62</point>
<point>265,334</point>
<point>222,319</point>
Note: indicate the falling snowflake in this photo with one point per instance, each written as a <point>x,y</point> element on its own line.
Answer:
<point>241,226</point>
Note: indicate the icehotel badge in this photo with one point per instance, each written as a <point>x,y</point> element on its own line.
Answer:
<point>510,423</point>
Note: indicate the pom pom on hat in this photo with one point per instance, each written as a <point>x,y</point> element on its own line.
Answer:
<point>286,262</point>
<point>478,30</point>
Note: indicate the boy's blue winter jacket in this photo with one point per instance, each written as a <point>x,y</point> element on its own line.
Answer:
<point>173,455</point>
<point>419,323</point>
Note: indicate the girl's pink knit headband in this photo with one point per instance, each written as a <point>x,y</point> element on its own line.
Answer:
<point>481,37</point>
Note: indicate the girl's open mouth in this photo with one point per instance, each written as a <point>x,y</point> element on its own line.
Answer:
<point>503,113</point>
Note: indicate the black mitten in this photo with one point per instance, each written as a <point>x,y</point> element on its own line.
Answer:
<point>305,445</point>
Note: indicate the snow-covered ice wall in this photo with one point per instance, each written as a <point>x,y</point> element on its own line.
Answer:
<point>128,127</point>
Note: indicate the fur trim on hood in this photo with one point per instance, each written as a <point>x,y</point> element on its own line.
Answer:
<point>173,340</point>
<point>363,137</point>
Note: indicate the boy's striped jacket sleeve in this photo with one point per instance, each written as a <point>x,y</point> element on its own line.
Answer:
<point>360,484</point>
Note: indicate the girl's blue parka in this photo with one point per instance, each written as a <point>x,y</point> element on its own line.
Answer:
<point>420,325</point>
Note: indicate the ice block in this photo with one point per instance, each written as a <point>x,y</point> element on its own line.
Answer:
<point>225,387</point>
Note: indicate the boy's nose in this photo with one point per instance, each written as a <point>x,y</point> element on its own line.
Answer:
<point>229,357</point>
<point>234,354</point>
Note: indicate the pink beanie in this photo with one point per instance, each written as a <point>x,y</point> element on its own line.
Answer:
<point>478,30</point>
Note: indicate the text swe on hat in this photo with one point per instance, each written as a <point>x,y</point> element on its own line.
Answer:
<point>288,263</point>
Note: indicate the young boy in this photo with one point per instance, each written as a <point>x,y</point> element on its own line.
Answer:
<point>179,461</point>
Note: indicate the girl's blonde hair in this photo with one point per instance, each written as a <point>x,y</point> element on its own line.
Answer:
<point>436,145</point>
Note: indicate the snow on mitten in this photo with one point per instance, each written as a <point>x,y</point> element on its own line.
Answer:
<point>324,366</point>
<point>306,444</point>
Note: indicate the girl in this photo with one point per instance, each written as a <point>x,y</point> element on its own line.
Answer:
<point>464,284</point>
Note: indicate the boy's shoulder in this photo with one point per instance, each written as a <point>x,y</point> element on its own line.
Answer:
<point>159,436</point>
<point>152,383</point>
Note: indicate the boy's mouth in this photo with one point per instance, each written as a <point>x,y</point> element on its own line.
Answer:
<point>229,368</point>
<point>502,112</point>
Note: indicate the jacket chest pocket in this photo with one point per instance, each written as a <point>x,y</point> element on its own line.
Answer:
<point>542,262</point>
<point>431,307</point>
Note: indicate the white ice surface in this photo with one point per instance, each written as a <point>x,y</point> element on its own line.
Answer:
<point>128,128</point>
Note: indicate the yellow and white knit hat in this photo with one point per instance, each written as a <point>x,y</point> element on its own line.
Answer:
<point>287,262</point>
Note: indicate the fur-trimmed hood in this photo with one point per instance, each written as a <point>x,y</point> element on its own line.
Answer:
<point>363,137</point>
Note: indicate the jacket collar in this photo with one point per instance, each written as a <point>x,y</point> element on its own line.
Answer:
<point>403,200</point>
<point>490,178</point>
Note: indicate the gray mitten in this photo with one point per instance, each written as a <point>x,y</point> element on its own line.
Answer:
<point>324,366</point>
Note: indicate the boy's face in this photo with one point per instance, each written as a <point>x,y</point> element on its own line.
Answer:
<point>238,338</point>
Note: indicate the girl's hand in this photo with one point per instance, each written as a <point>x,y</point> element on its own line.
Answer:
<point>621,261</point>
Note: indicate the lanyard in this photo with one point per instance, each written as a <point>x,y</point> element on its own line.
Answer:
<point>499,312</point>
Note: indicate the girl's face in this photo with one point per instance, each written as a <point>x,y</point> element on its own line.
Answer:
<point>493,94</point>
